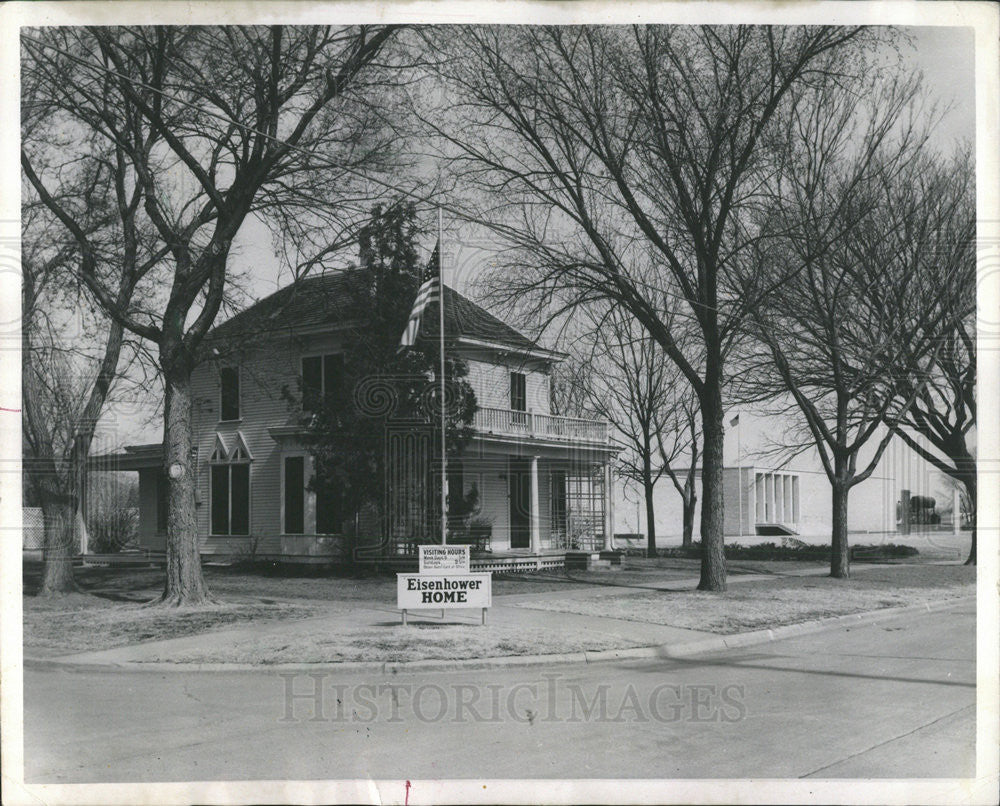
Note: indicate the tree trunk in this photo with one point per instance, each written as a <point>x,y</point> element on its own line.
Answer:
<point>59,515</point>
<point>647,486</point>
<point>713,558</point>
<point>840,550</point>
<point>689,500</point>
<point>970,488</point>
<point>185,583</point>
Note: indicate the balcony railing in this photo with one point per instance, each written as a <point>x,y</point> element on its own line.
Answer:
<point>507,422</point>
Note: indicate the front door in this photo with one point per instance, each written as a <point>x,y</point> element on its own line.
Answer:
<point>519,487</point>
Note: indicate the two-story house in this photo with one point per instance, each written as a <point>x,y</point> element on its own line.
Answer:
<point>543,481</point>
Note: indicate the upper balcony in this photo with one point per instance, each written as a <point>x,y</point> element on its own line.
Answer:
<point>528,425</point>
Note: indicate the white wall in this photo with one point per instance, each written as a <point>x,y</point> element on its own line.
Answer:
<point>263,373</point>
<point>871,504</point>
<point>489,377</point>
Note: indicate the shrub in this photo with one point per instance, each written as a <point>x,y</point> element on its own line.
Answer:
<point>112,529</point>
<point>802,552</point>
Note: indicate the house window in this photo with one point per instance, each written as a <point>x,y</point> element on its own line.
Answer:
<point>295,509</point>
<point>518,392</point>
<point>328,507</point>
<point>229,397</point>
<point>231,499</point>
<point>328,501</point>
<point>518,397</point>
<point>321,378</point>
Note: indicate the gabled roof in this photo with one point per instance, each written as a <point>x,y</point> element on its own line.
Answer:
<point>325,299</point>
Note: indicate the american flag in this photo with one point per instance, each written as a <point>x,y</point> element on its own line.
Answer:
<point>429,292</point>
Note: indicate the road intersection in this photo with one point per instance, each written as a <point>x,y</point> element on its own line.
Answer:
<point>890,697</point>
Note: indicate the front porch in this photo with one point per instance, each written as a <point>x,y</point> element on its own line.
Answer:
<point>512,495</point>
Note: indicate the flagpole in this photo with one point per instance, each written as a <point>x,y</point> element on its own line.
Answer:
<point>444,452</point>
<point>739,469</point>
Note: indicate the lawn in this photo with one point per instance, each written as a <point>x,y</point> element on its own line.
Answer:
<point>109,613</point>
<point>754,605</point>
<point>82,622</point>
<point>393,643</point>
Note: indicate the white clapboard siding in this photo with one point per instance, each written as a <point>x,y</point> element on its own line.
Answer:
<point>491,383</point>
<point>263,373</point>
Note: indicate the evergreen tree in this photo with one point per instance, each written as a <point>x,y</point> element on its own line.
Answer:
<point>382,391</point>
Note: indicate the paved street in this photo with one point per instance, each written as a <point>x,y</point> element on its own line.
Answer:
<point>892,698</point>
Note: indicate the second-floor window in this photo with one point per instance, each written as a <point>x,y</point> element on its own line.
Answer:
<point>518,392</point>
<point>518,396</point>
<point>229,395</point>
<point>321,378</point>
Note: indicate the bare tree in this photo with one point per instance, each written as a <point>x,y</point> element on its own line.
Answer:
<point>601,149</point>
<point>675,443</point>
<point>941,417</point>
<point>569,382</point>
<point>215,125</point>
<point>70,352</point>
<point>854,327</point>
<point>633,385</point>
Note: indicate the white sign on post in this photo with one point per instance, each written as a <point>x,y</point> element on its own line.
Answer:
<point>416,591</point>
<point>444,559</point>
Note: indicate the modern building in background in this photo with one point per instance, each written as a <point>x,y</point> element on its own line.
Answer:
<point>771,494</point>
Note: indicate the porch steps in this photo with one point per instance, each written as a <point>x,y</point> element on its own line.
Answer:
<point>775,529</point>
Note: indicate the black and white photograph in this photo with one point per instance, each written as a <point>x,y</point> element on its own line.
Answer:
<point>503,402</point>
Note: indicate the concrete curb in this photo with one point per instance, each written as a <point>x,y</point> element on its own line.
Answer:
<point>690,649</point>
<point>741,640</point>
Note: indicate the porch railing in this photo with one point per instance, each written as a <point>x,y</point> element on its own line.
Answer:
<point>528,424</point>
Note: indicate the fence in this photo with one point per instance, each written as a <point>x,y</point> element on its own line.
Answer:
<point>33,529</point>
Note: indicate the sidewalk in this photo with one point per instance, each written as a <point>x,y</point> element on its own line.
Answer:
<point>654,639</point>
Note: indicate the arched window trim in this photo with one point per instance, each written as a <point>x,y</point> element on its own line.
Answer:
<point>220,452</point>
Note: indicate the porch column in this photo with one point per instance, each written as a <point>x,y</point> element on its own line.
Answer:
<point>795,499</point>
<point>609,509</point>
<point>789,501</point>
<point>536,532</point>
